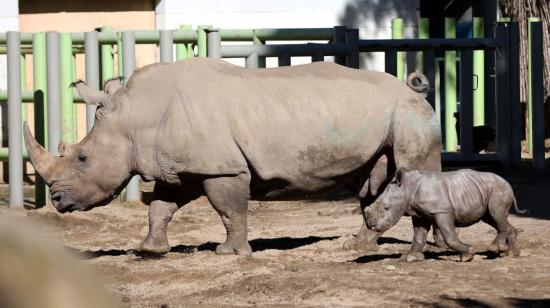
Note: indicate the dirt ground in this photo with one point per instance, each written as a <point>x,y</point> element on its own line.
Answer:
<point>298,258</point>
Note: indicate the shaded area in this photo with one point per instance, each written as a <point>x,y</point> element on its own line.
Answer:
<point>429,255</point>
<point>447,301</point>
<point>281,243</point>
<point>41,6</point>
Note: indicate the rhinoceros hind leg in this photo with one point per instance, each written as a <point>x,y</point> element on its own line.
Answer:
<point>229,196</point>
<point>156,241</point>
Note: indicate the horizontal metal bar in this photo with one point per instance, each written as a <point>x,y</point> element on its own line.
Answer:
<point>459,157</point>
<point>142,37</point>
<point>28,96</point>
<point>4,154</point>
<point>310,49</point>
<point>423,44</point>
<point>26,37</point>
<point>277,34</point>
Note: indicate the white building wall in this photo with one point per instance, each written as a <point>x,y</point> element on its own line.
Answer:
<point>372,17</point>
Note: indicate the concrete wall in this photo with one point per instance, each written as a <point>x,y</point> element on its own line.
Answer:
<point>372,17</point>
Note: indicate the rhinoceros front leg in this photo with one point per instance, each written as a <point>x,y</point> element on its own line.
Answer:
<point>167,200</point>
<point>229,196</point>
<point>160,214</point>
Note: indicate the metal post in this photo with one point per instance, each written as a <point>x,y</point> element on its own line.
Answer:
<point>166,46</point>
<point>479,75</point>
<point>129,64</point>
<point>214,41</point>
<point>184,51</point>
<point>15,137</point>
<point>66,67</point>
<point>91,47</point>
<point>352,38</point>
<point>252,61</point>
<point>318,57</point>
<point>257,41</point>
<point>40,84</point>
<point>54,97</point>
<point>397,26</point>
<point>536,91</point>
<point>390,62</point>
<point>107,60</point>
<point>466,103</point>
<point>284,60</point>
<point>426,62</point>
<point>450,89</point>
<point>502,94</point>
<point>515,104</point>
<point>201,40</point>
<point>24,108</point>
<point>339,36</point>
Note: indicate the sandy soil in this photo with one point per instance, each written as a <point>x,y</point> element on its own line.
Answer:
<point>298,258</point>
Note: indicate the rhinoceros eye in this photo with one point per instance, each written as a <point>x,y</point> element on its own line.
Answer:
<point>82,157</point>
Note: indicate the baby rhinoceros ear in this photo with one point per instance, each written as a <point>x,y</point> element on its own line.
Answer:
<point>400,176</point>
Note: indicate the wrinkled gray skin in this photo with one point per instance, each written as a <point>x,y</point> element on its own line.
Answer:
<point>447,199</point>
<point>205,127</point>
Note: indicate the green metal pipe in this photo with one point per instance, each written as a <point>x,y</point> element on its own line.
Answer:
<point>201,40</point>
<point>4,153</point>
<point>73,90</point>
<point>39,96</point>
<point>277,34</point>
<point>24,107</point>
<point>261,60</point>
<point>66,67</point>
<point>107,59</point>
<point>451,142</point>
<point>397,27</point>
<point>28,96</point>
<point>423,33</point>
<point>184,50</point>
<point>479,74</point>
<point>530,87</point>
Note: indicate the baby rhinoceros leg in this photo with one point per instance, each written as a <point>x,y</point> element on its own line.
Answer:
<point>421,228</point>
<point>446,223</point>
<point>497,216</point>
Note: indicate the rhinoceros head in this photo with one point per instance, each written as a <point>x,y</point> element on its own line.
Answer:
<point>92,172</point>
<point>390,206</point>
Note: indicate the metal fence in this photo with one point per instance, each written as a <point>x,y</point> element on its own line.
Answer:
<point>54,67</point>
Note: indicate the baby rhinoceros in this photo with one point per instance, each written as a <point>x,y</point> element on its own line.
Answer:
<point>448,199</point>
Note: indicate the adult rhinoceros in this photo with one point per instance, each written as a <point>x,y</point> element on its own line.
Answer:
<point>206,127</point>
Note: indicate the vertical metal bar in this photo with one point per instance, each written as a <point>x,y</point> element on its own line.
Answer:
<point>479,75</point>
<point>15,137</point>
<point>201,40</point>
<point>536,93</point>
<point>397,27</point>
<point>318,57</point>
<point>129,64</point>
<point>251,61</point>
<point>423,33</point>
<point>66,67</point>
<point>426,63</point>
<point>107,60</point>
<point>515,104</point>
<point>54,97</point>
<point>450,89</point>
<point>352,38</point>
<point>40,84</point>
<point>166,46</point>
<point>184,51</point>
<point>284,60</point>
<point>91,47</point>
<point>390,62</point>
<point>24,108</point>
<point>410,59</point>
<point>214,42</point>
<point>73,91</point>
<point>466,103</point>
<point>257,41</point>
<point>339,36</point>
<point>502,94</point>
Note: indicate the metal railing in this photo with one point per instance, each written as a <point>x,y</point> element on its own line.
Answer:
<point>54,68</point>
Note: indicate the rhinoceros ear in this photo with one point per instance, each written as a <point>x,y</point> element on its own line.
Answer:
<point>400,176</point>
<point>89,95</point>
<point>112,85</point>
<point>63,149</point>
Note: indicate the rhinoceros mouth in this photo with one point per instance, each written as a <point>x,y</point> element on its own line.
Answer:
<point>63,202</point>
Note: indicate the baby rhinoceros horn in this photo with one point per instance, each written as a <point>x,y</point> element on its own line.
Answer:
<point>41,159</point>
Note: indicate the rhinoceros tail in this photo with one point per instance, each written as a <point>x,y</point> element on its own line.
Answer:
<point>418,83</point>
<point>524,211</point>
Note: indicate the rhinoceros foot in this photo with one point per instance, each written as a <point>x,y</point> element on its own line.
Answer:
<point>234,249</point>
<point>412,256</point>
<point>154,246</point>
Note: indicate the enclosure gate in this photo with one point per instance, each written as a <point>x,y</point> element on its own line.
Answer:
<point>53,70</point>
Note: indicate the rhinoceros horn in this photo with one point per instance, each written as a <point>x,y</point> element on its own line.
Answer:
<point>89,95</point>
<point>40,158</point>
